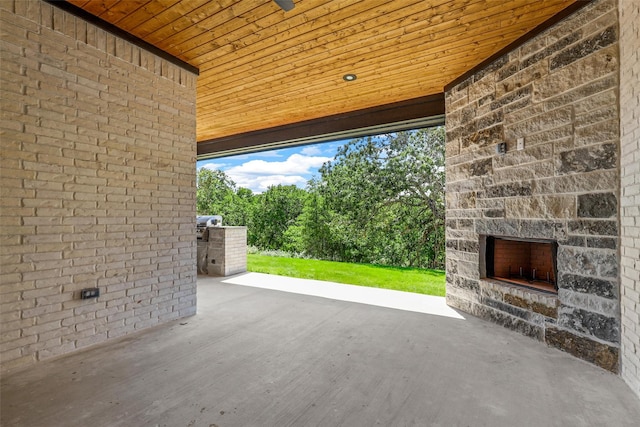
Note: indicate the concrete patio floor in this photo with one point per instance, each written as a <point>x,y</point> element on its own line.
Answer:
<point>264,357</point>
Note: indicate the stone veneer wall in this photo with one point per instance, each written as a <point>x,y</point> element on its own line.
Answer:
<point>97,185</point>
<point>630,190</point>
<point>559,91</point>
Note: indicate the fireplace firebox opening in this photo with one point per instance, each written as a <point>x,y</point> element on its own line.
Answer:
<point>526,262</point>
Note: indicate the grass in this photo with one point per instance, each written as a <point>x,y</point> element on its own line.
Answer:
<point>418,280</point>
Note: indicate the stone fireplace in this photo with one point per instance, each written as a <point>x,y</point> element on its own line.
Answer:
<point>524,262</point>
<point>550,202</point>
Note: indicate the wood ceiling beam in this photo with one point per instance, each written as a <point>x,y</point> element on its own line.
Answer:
<point>428,106</point>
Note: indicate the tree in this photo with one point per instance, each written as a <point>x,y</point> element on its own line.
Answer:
<point>319,236</point>
<point>216,194</point>
<point>381,200</point>
<point>387,198</point>
<point>275,211</point>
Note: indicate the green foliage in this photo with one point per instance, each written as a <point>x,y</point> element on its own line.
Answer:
<point>318,238</point>
<point>430,282</point>
<point>380,201</point>
<point>216,194</point>
<point>276,210</point>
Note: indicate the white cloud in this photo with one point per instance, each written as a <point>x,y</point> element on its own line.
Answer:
<point>260,184</point>
<point>259,175</point>
<point>311,151</point>
<point>295,164</point>
<point>213,166</point>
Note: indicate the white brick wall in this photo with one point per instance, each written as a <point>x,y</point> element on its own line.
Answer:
<point>97,182</point>
<point>629,11</point>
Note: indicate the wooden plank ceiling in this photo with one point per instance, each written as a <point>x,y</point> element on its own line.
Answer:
<point>261,67</point>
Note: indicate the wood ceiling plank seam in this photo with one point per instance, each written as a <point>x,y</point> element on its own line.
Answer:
<point>392,65</point>
<point>309,99</point>
<point>258,118</point>
<point>301,96</point>
<point>375,91</point>
<point>412,72</point>
<point>292,32</point>
<point>402,40</point>
<point>229,42</point>
<point>308,61</point>
<point>461,55</point>
<point>308,49</point>
<point>295,27</point>
<point>426,87</point>
<point>408,51</point>
<point>318,70</point>
<point>163,18</point>
<point>95,7</point>
<point>236,67</point>
<point>366,94</point>
<point>338,105</point>
<point>296,99</point>
<point>201,27</point>
<point>179,13</point>
<point>531,9</point>
<point>490,9</point>
<point>477,35</point>
<point>278,23</point>
<point>271,50</point>
<point>427,55</point>
<point>143,14</point>
<point>294,41</point>
<point>200,32</point>
<point>80,3</point>
<point>118,11</point>
<point>399,41</point>
<point>384,71</point>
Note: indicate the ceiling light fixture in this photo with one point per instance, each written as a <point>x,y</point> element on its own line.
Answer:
<point>349,77</point>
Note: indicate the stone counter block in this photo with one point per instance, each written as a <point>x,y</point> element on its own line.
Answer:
<point>227,251</point>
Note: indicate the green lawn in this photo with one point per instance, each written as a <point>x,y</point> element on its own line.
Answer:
<point>430,282</point>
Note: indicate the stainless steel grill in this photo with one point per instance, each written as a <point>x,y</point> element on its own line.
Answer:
<point>204,221</point>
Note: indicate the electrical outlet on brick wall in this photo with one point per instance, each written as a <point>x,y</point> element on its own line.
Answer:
<point>88,293</point>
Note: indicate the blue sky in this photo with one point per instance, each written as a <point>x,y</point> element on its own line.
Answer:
<point>287,166</point>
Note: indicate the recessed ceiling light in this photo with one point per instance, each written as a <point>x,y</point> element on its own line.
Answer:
<point>349,77</point>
